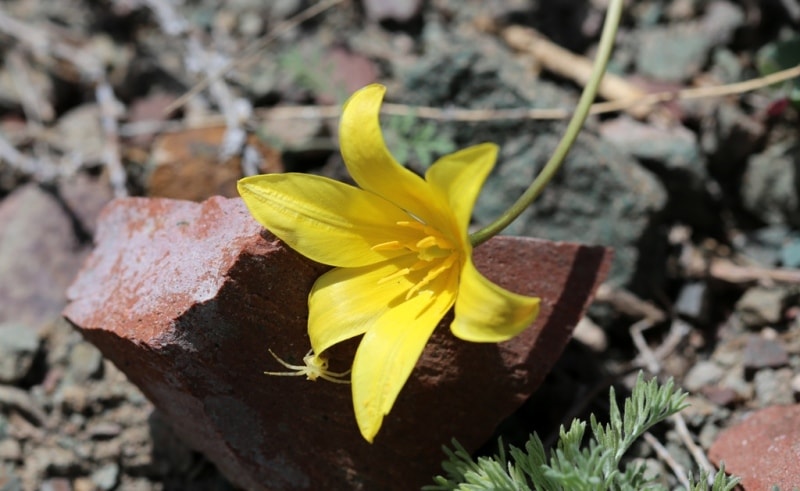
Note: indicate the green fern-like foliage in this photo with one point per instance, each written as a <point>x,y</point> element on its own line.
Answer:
<point>572,466</point>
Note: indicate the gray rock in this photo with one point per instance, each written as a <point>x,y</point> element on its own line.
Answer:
<point>9,479</point>
<point>691,300</point>
<point>760,352</point>
<point>761,306</point>
<point>10,450</point>
<point>773,387</point>
<point>85,362</point>
<point>676,52</point>
<point>770,184</point>
<point>38,257</point>
<point>18,346</point>
<point>106,477</point>
<point>675,146</point>
<point>396,10</point>
<point>600,196</point>
<point>701,374</point>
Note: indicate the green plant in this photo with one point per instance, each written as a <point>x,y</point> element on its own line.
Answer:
<point>572,467</point>
<point>777,56</point>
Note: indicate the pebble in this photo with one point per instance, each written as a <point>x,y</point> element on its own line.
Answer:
<point>74,399</point>
<point>796,385</point>
<point>691,300</point>
<point>106,477</point>
<point>773,387</point>
<point>704,373</point>
<point>85,362</point>
<point>761,306</point>
<point>10,450</point>
<point>56,484</point>
<point>18,345</point>
<point>760,352</point>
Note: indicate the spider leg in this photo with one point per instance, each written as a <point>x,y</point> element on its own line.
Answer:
<point>287,365</point>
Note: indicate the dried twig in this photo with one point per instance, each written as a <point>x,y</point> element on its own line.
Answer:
<point>697,453</point>
<point>663,454</point>
<point>110,110</point>
<point>570,65</point>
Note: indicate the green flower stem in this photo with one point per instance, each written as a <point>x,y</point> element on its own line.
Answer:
<point>576,123</point>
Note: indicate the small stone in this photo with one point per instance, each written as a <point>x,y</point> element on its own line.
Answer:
<point>85,363</point>
<point>188,165</point>
<point>773,387</point>
<point>721,396</point>
<point>192,334</point>
<point>769,187</point>
<point>691,300</point>
<point>761,306</point>
<point>396,10</point>
<point>18,346</point>
<point>83,484</point>
<point>9,479</point>
<point>56,484</point>
<point>763,449</point>
<point>796,385</point>
<point>760,352</point>
<point>10,450</point>
<point>676,147</point>
<point>106,477</point>
<point>38,257</point>
<point>703,373</point>
<point>74,399</point>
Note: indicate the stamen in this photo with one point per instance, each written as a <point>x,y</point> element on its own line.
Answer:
<point>392,245</point>
<point>432,274</point>
<point>395,275</point>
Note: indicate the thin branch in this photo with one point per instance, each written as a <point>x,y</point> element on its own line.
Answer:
<point>663,454</point>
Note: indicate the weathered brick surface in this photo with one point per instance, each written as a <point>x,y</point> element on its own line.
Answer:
<point>186,298</point>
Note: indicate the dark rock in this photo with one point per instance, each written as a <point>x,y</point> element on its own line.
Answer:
<point>675,146</point>
<point>770,184</point>
<point>762,449</point>
<point>600,196</point>
<point>760,352</point>
<point>38,257</point>
<point>677,52</point>
<point>186,298</point>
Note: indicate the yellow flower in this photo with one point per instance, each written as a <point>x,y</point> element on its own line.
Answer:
<point>401,253</point>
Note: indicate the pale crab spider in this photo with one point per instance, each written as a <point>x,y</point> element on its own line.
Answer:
<point>315,367</point>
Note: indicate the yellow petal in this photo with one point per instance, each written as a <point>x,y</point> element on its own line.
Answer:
<point>390,350</point>
<point>324,220</point>
<point>488,313</point>
<point>344,302</point>
<point>458,178</point>
<point>369,161</point>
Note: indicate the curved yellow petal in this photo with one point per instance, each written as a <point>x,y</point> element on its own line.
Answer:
<point>345,302</point>
<point>488,313</point>
<point>322,219</point>
<point>390,350</point>
<point>458,178</point>
<point>369,161</point>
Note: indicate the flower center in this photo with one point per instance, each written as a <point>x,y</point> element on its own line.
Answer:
<point>435,253</point>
